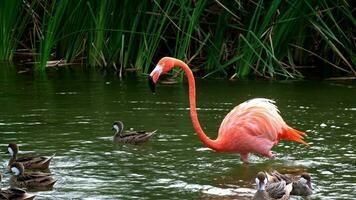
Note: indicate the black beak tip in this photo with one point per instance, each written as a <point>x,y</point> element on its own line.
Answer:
<point>152,84</point>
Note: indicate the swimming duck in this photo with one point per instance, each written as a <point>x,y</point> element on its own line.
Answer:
<point>29,180</point>
<point>14,193</point>
<point>301,185</point>
<point>278,190</point>
<point>33,162</point>
<point>132,137</point>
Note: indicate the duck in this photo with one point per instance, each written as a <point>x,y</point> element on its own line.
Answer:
<point>29,180</point>
<point>14,193</point>
<point>32,162</point>
<point>130,137</point>
<point>302,185</point>
<point>271,191</point>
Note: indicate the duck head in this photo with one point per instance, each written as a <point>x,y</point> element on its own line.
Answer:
<point>12,149</point>
<point>305,179</point>
<point>261,181</point>
<point>17,168</point>
<point>118,127</point>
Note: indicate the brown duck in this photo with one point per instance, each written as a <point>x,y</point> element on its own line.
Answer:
<point>33,162</point>
<point>269,191</point>
<point>302,185</point>
<point>29,180</point>
<point>131,137</point>
<point>14,193</point>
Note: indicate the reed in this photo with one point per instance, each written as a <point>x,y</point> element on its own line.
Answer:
<point>11,27</point>
<point>333,25</point>
<point>51,25</point>
<point>73,38</point>
<point>233,39</point>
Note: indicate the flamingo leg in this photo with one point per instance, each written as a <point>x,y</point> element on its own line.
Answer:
<point>270,155</point>
<point>244,157</point>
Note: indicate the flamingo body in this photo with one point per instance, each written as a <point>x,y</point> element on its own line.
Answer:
<point>254,126</point>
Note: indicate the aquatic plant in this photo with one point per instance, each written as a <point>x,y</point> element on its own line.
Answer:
<point>233,39</point>
<point>11,27</point>
<point>51,25</point>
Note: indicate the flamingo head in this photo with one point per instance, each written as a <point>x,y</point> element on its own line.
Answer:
<point>163,66</point>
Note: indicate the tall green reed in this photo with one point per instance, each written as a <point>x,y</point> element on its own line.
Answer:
<point>11,27</point>
<point>217,38</point>
<point>334,25</point>
<point>51,25</point>
<point>73,37</point>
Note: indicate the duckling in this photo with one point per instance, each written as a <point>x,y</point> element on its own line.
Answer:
<point>29,180</point>
<point>14,193</point>
<point>301,186</point>
<point>132,137</point>
<point>279,190</point>
<point>33,162</point>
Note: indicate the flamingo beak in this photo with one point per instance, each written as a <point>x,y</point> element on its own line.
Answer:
<point>154,75</point>
<point>152,84</point>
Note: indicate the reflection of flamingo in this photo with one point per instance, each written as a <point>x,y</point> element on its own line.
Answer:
<point>254,126</point>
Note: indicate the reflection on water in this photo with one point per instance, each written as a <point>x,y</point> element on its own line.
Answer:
<point>71,115</point>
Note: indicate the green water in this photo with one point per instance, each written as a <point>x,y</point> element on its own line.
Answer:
<point>70,114</point>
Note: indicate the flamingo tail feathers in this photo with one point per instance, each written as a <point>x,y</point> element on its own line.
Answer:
<point>292,134</point>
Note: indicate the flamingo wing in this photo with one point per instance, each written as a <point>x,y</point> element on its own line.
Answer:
<point>252,126</point>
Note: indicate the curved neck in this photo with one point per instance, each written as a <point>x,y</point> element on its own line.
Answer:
<point>118,134</point>
<point>192,102</point>
<point>12,160</point>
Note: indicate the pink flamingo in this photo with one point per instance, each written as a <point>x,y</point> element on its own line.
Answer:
<point>254,126</point>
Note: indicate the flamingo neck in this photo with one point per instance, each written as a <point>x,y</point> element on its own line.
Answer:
<point>193,111</point>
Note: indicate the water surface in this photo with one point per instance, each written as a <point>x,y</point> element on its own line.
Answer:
<point>70,114</point>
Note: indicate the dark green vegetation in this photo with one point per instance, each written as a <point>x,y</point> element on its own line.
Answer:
<point>221,38</point>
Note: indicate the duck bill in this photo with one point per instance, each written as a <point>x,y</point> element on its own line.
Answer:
<point>261,186</point>
<point>152,84</point>
<point>7,172</point>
